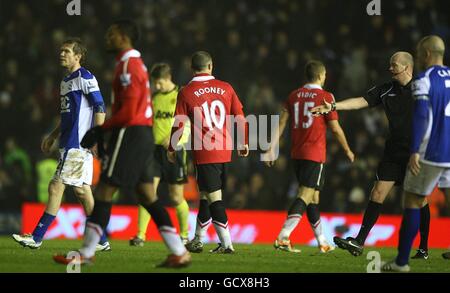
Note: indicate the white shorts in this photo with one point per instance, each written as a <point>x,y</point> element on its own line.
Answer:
<point>75,167</point>
<point>425,182</point>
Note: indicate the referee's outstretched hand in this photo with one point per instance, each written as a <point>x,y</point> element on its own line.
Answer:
<point>323,109</point>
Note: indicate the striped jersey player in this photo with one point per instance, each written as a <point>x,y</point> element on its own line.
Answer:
<point>81,107</point>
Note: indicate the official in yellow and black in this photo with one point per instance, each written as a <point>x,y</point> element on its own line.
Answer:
<point>174,174</point>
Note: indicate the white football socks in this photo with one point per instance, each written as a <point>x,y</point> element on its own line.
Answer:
<point>201,228</point>
<point>172,240</point>
<point>92,234</point>
<point>289,226</point>
<point>224,234</point>
<point>318,233</point>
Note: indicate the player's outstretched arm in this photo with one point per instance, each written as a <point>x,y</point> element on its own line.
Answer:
<point>347,104</point>
<point>337,131</point>
<point>284,118</point>
<point>49,140</point>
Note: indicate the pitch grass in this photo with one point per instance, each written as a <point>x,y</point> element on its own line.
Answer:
<point>248,258</point>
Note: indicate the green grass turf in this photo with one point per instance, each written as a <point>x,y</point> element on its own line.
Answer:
<point>248,258</point>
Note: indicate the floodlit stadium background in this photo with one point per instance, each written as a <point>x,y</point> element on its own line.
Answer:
<point>260,47</point>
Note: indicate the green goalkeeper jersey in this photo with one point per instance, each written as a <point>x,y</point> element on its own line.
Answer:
<point>163,108</point>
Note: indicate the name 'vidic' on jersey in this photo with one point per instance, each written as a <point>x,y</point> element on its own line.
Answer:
<point>308,133</point>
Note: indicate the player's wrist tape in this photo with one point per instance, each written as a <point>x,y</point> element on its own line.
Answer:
<point>333,106</point>
<point>99,109</point>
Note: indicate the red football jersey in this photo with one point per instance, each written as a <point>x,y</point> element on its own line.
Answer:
<point>308,133</point>
<point>131,96</point>
<point>208,103</point>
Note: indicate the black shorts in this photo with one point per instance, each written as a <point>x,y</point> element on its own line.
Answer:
<point>309,174</point>
<point>392,169</point>
<point>172,173</point>
<point>129,157</point>
<point>211,177</point>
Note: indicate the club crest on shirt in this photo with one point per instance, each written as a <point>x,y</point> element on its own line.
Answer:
<point>65,105</point>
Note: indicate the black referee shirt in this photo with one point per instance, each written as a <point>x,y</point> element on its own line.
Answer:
<point>398,106</point>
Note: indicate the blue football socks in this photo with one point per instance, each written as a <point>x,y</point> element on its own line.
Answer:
<point>408,231</point>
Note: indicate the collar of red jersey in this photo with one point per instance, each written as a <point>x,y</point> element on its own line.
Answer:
<point>312,86</point>
<point>202,77</point>
<point>127,54</point>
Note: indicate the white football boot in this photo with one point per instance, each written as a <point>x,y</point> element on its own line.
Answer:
<point>103,247</point>
<point>393,267</point>
<point>26,240</point>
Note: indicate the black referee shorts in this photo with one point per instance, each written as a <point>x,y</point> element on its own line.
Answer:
<point>392,168</point>
<point>172,173</point>
<point>309,174</point>
<point>211,177</point>
<point>129,157</point>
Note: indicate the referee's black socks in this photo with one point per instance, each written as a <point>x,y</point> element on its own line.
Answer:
<point>370,218</point>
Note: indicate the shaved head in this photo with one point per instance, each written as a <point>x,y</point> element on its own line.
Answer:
<point>403,58</point>
<point>434,44</point>
<point>430,51</point>
<point>200,61</point>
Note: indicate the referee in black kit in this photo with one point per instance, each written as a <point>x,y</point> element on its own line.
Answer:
<point>395,96</point>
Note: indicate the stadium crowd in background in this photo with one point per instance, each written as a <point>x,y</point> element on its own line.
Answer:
<point>260,48</point>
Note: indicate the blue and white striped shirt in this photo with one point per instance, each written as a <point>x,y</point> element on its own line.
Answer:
<point>431,118</point>
<point>80,99</point>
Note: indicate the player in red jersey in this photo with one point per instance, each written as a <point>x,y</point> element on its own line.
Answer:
<point>308,148</point>
<point>127,161</point>
<point>210,105</point>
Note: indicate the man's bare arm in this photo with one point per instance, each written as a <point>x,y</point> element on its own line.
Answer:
<point>347,104</point>
<point>99,118</point>
<point>337,131</point>
<point>284,118</point>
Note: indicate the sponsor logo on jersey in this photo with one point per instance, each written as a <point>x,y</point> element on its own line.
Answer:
<point>163,115</point>
<point>125,79</point>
